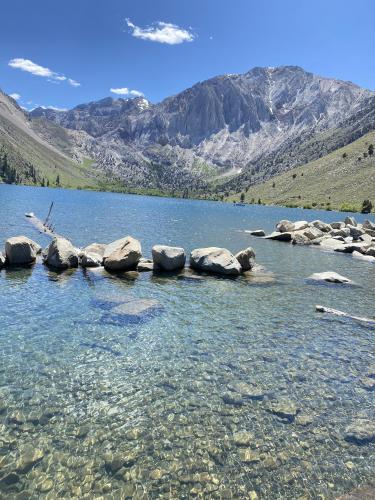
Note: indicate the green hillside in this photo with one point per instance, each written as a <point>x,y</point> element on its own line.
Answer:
<point>26,157</point>
<point>339,180</point>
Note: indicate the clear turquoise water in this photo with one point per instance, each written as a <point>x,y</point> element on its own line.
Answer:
<point>140,409</point>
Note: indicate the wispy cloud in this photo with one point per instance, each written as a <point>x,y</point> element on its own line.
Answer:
<point>126,91</point>
<point>162,33</point>
<point>36,69</point>
<point>15,96</point>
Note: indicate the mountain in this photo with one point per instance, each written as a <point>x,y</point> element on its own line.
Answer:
<point>224,134</point>
<point>229,127</point>
<point>28,156</point>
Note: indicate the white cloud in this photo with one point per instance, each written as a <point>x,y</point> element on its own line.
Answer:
<point>36,69</point>
<point>73,83</point>
<point>126,91</point>
<point>15,96</point>
<point>162,32</point>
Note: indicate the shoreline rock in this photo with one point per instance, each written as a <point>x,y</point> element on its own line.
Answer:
<point>215,260</point>
<point>61,254</point>
<point>21,251</point>
<point>168,258</point>
<point>123,254</point>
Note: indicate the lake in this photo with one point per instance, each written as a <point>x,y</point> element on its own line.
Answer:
<point>233,388</point>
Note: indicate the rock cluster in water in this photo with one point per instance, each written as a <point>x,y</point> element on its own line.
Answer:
<point>125,254</point>
<point>346,237</point>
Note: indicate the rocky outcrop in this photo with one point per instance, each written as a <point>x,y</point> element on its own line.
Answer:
<point>246,258</point>
<point>20,251</point>
<point>61,254</point>
<point>215,260</point>
<point>122,254</point>
<point>168,258</point>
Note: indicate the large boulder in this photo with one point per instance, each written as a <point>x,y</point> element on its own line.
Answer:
<point>20,251</point>
<point>300,224</point>
<point>344,232</point>
<point>168,258</point>
<point>276,235</point>
<point>353,247</point>
<point>300,239</point>
<point>350,221</point>
<point>215,260</point>
<point>122,254</point>
<point>367,224</point>
<point>329,277</point>
<point>246,258</point>
<point>371,251</point>
<point>61,254</point>
<point>285,226</point>
<point>355,232</point>
<point>90,259</point>
<point>337,225</point>
<point>97,248</point>
<point>322,226</point>
<point>312,233</point>
<point>331,243</point>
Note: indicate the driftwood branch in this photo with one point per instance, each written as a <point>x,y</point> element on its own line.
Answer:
<point>322,309</point>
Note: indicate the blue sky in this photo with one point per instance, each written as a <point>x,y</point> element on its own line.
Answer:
<point>62,53</point>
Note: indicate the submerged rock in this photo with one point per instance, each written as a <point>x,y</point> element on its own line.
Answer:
<point>20,251</point>
<point>246,258</point>
<point>122,254</point>
<point>243,438</point>
<point>286,410</point>
<point>329,277</point>
<point>61,254</point>
<point>361,431</point>
<point>246,390</point>
<point>29,456</point>
<point>168,258</point>
<point>215,260</point>
<point>136,308</point>
<point>257,232</point>
<point>249,456</point>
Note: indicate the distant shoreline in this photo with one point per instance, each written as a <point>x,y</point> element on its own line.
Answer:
<point>231,200</point>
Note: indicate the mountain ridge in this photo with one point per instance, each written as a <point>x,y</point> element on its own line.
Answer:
<point>225,133</point>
